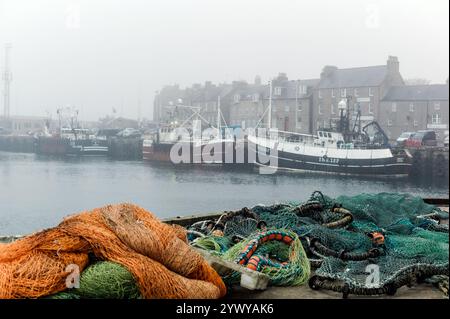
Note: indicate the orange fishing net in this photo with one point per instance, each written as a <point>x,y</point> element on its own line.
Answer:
<point>157,254</point>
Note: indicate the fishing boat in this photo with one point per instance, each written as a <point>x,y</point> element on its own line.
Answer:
<point>70,139</point>
<point>170,142</point>
<point>326,152</point>
<point>83,143</point>
<point>349,148</point>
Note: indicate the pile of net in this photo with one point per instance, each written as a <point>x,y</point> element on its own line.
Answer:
<point>369,244</point>
<point>121,251</point>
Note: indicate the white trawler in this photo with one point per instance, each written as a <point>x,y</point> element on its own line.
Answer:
<point>357,150</point>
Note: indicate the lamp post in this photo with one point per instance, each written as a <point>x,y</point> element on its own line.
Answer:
<point>344,108</point>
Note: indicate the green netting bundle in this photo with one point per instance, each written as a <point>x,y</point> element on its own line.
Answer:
<point>64,295</point>
<point>108,280</point>
<point>214,244</point>
<point>385,209</point>
<point>410,245</point>
<point>103,280</point>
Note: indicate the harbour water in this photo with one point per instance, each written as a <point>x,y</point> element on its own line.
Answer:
<point>37,192</point>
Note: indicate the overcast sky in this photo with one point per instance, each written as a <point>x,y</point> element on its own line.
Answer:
<point>100,54</point>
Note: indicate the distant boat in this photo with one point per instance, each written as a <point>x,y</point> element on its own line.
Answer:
<point>205,150</point>
<point>72,142</point>
<point>159,145</point>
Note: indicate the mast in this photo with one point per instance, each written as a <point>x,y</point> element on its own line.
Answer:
<point>270,106</point>
<point>7,78</point>
<point>218,113</point>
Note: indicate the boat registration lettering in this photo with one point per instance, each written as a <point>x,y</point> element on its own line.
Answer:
<point>328,160</point>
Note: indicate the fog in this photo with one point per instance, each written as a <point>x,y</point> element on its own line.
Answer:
<point>104,54</point>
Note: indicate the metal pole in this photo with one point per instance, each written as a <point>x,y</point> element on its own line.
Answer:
<point>6,81</point>
<point>270,106</point>
<point>218,113</point>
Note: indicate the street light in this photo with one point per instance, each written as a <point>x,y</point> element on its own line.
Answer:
<point>342,105</point>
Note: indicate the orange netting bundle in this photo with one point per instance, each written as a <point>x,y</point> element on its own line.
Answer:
<point>157,254</point>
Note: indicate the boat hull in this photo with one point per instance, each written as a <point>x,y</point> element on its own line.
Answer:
<point>57,146</point>
<point>88,151</point>
<point>321,163</point>
<point>224,153</point>
<point>52,146</point>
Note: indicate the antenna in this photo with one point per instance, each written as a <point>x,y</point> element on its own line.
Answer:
<point>7,78</point>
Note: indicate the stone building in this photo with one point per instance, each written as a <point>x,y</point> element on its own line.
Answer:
<point>365,86</point>
<point>208,97</point>
<point>247,106</point>
<point>24,124</point>
<point>175,105</point>
<point>291,104</point>
<point>413,108</point>
<point>169,101</point>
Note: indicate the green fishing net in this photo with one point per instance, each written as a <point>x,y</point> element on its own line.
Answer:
<point>414,242</point>
<point>103,280</point>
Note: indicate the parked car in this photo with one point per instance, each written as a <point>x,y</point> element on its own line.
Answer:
<point>422,138</point>
<point>403,137</point>
<point>129,132</point>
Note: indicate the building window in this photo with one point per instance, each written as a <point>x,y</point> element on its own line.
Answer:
<point>394,107</point>
<point>411,107</point>
<point>416,123</point>
<point>436,119</point>
<point>320,94</point>
<point>343,92</point>
<point>277,90</point>
<point>319,109</point>
<point>370,108</point>
<point>237,97</point>
<point>332,109</point>
<point>332,93</point>
<point>299,107</point>
<point>370,92</point>
<point>389,123</point>
<point>304,89</point>
<point>356,92</point>
<point>286,108</point>
<point>437,106</point>
<point>299,122</point>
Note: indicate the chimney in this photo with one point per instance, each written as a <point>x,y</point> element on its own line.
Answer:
<point>282,77</point>
<point>257,80</point>
<point>327,71</point>
<point>393,65</point>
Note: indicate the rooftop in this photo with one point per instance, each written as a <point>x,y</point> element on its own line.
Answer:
<point>353,77</point>
<point>437,92</point>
